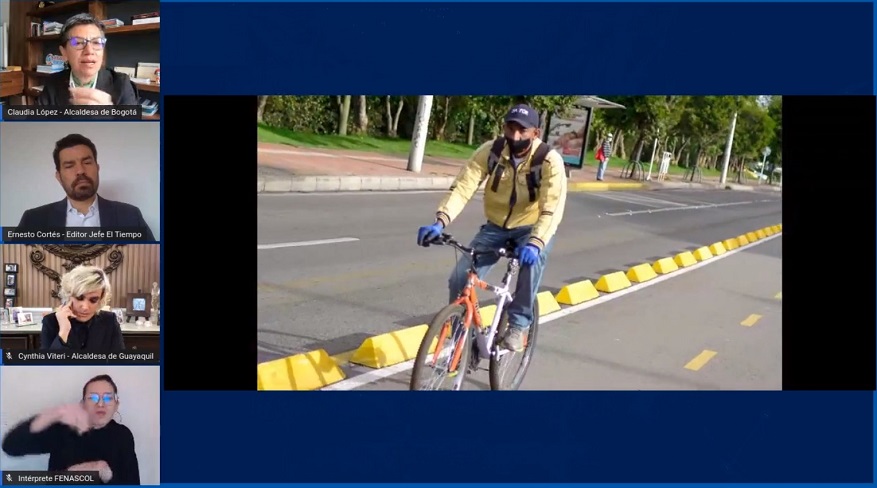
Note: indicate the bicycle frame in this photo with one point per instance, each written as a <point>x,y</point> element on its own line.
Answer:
<point>469,298</point>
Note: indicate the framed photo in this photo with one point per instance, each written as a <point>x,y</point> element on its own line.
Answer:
<point>10,302</point>
<point>14,313</point>
<point>4,315</point>
<point>9,292</point>
<point>11,267</point>
<point>11,280</point>
<point>120,314</point>
<point>138,305</point>
<point>25,318</point>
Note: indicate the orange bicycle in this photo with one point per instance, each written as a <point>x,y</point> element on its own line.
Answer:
<point>454,347</point>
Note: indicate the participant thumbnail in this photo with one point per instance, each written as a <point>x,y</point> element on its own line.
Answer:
<point>101,421</point>
<point>80,182</point>
<point>85,54</point>
<point>97,298</point>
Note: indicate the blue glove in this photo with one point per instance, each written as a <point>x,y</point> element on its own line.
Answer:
<point>528,255</point>
<point>428,233</point>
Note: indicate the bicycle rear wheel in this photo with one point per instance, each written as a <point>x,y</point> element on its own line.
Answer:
<point>501,366</point>
<point>452,350</point>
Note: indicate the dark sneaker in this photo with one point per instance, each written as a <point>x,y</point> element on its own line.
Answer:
<point>514,339</point>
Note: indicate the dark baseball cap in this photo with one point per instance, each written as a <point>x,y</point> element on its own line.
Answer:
<point>524,115</point>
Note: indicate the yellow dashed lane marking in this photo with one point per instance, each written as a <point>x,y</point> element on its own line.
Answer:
<point>751,320</point>
<point>700,360</point>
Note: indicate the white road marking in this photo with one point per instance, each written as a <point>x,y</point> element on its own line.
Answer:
<point>379,374</point>
<point>307,243</point>
<point>640,200</point>
<point>687,207</point>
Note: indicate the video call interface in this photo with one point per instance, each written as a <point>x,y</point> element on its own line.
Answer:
<point>656,319</point>
<point>80,213</point>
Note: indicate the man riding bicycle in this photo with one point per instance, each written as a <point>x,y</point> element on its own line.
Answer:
<point>524,200</point>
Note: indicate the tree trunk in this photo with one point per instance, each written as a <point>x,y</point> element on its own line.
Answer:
<point>638,147</point>
<point>442,122</point>
<point>260,111</point>
<point>618,148</point>
<point>393,119</point>
<point>363,115</point>
<point>470,135</point>
<point>343,115</point>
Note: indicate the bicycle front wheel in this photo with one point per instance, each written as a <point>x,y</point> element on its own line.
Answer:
<point>445,351</point>
<point>504,374</point>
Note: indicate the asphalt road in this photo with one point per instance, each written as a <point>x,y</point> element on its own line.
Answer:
<point>346,266</point>
<point>718,327</point>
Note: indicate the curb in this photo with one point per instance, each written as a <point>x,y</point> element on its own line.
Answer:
<point>316,369</point>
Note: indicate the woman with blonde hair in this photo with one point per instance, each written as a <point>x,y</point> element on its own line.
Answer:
<point>79,323</point>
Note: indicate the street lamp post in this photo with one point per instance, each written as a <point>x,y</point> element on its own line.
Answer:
<point>727,158</point>
<point>765,152</point>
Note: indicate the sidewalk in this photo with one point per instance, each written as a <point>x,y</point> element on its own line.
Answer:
<point>284,169</point>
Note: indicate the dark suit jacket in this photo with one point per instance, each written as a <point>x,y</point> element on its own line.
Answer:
<point>113,216</point>
<point>102,334</point>
<point>56,89</point>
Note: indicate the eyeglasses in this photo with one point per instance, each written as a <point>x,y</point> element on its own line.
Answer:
<point>107,398</point>
<point>79,43</point>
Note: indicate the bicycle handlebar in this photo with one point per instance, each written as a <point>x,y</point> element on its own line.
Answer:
<point>507,251</point>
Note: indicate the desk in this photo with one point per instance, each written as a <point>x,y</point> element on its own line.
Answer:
<point>28,337</point>
<point>11,83</point>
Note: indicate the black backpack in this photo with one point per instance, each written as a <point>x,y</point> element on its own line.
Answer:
<point>534,177</point>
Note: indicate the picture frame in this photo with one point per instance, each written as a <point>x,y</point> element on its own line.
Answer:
<point>8,292</point>
<point>14,313</point>
<point>25,318</point>
<point>120,314</point>
<point>11,280</point>
<point>4,316</point>
<point>138,305</point>
<point>10,302</point>
<point>10,267</point>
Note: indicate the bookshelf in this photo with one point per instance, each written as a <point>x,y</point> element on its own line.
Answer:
<point>124,43</point>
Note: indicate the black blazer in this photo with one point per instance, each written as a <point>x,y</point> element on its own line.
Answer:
<point>102,333</point>
<point>56,89</point>
<point>113,216</point>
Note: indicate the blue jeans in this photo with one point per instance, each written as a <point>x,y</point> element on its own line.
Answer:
<point>492,236</point>
<point>601,168</point>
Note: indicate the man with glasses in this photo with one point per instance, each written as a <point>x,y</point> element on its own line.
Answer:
<point>85,81</point>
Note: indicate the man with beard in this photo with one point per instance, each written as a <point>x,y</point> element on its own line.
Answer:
<point>78,172</point>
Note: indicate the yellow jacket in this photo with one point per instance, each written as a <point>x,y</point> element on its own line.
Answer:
<point>510,206</point>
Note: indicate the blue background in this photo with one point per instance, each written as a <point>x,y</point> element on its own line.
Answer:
<point>517,48</point>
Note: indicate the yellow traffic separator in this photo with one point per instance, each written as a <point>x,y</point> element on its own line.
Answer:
<point>390,348</point>
<point>780,227</point>
<point>665,265</point>
<point>641,273</point>
<point>307,371</point>
<point>717,249</point>
<point>702,253</point>
<point>731,244</point>
<point>684,259</point>
<point>779,296</point>
<point>768,231</point>
<point>751,236</point>
<point>742,240</point>
<point>700,360</point>
<point>760,234</point>
<point>487,314</point>
<point>613,282</point>
<point>577,293</point>
<point>547,303</point>
<point>601,186</point>
<point>751,320</point>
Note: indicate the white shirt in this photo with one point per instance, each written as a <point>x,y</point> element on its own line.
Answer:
<point>75,218</point>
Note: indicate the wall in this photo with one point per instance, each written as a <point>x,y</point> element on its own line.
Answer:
<point>139,270</point>
<point>4,11</point>
<point>128,154</point>
<point>27,390</point>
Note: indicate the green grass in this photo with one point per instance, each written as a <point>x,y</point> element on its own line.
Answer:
<point>401,147</point>
<point>361,143</point>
